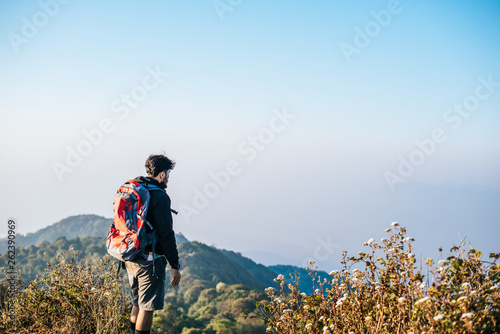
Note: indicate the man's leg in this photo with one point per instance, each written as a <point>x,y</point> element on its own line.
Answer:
<point>144,321</point>
<point>133,318</point>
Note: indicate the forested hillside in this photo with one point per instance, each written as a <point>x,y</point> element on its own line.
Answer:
<point>215,291</point>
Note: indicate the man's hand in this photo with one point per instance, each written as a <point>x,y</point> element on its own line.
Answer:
<point>176,277</point>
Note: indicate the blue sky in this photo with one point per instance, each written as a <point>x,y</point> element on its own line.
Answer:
<point>220,78</point>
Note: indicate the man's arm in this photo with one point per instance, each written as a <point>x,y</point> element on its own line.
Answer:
<point>166,243</point>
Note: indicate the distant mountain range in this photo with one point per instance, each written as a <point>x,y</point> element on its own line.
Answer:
<point>200,262</point>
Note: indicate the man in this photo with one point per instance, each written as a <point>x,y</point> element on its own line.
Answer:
<point>147,282</point>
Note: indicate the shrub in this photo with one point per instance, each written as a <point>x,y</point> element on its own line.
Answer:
<point>72,297</point>
<point>389,294</point>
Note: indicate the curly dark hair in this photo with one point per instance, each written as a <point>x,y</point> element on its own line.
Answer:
<point>157,163</point>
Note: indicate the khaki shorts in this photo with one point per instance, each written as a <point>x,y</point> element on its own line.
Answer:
<point>147,290</point>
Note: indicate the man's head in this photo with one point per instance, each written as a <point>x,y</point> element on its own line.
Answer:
<point>158,166</point>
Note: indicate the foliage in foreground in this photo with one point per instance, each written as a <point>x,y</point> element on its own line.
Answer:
<point>73,297</point>
<point>390,295</point>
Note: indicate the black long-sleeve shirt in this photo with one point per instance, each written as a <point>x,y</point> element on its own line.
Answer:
<point>160,217</point>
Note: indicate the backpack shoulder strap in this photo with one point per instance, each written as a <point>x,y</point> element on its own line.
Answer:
<point>150,187</point>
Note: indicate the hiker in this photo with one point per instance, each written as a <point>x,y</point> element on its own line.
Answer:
<point>147,281</point>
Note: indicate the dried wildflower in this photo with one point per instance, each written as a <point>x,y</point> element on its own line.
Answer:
<point>401,299</point>
<point>467,315</point>
<point>394,224</point>
<point>421,300</point>
<point>439,317</point>
<point>340,301</point>
<point>369,242</point>
<point>334,272</point>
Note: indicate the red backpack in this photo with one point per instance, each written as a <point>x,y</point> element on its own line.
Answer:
<point>127,237</point>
